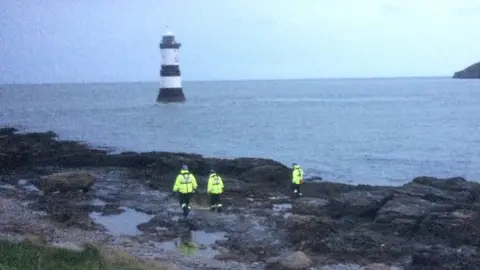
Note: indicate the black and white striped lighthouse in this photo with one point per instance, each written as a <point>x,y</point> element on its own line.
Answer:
<point>171,82</point>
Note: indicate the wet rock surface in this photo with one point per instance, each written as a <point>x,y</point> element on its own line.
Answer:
<point>66,182</point>
<point>294,261</point>
<point>429,223</point>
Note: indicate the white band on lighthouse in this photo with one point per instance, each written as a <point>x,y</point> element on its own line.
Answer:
<point>170,57</point>
<point>171,82</point>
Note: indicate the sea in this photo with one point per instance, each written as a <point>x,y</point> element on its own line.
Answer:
<point>378,131</point>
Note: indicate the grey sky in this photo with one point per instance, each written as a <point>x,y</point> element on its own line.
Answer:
<point>106,40</point>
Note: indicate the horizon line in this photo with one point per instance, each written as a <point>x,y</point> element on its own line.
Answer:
<point>234,80</point>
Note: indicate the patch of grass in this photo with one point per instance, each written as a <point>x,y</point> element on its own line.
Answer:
<point>28,256</point>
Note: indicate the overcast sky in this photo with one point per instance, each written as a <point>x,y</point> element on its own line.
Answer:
<point>105,41</point>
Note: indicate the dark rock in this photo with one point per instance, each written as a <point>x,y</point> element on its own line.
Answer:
<point>294,261</point>
<point>163,219</point>
<point>253,245</point>
<point>66,210</point>
<point>111,209</point>
<point>377,266</point>
<point>7,131</point>
<point>444,257</point>
<point>451,226</point>
<point>379,224</point>
<point>364,245</point>
<point>310,206</point>
<point>471,72</point>
<point>158,168</point>
<point>327,189</point>
<point>402,215</point>
<point>432,193</point>
<point>359,203</point>
<point>272,174</point>
<point>66,182</point>
<point>455,188</point>
<point>308,232</point>
<point>33,149</point>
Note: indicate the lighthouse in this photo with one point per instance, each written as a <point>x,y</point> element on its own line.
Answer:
<point>171,82</point>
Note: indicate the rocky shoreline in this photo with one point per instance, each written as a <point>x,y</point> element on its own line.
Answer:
<point>428,223</point>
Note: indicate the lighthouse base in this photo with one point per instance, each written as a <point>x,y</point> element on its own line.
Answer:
<point>168,95</point>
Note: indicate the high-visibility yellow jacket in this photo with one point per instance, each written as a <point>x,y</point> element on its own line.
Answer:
<point>297,175</point>
<point>215,184</point>
<point>185,182</point>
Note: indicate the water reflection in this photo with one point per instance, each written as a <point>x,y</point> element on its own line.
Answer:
<point>193,243</point>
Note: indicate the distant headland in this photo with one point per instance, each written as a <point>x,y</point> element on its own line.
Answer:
<point>471,72</point>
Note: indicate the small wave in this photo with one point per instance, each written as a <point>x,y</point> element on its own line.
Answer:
<point>337,100</point>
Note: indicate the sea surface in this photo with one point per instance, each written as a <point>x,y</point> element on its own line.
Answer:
<point>371,131</point>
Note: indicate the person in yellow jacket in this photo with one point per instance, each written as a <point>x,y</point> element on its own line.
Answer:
<point>297,179</point>
<point>186,185</point>
<point>214,190</point>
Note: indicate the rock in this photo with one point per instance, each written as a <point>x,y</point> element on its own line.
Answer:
<point>224,256</point>
<point>326,189</point>
<point>66,182</point>
<point>112,209</point>
<point>64,210</point>
<point>158,168</point>
<point>254,244</point>
<point>381,225</point>
<point>22,182</point>
<point>294,261</point>
<point>308,232</point>
<point>310,206</point>
<point>364,245</point>
<point>455,225</point>
<point>471,72</point>
<point>378,266</point>
<point>359,203</point>
<point>402,215</point>
<point>272,174</point>
<point>169,266</point>
<point>42,148</point>
<point>7,131</point>
<point>447,184</point>
<point>35,239</point>
<point>68,245</point>
<point>341,266</point>
<point>442,257</point>
<point>441,190</point>
<point>167,219</point>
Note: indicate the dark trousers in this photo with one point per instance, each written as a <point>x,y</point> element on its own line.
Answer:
<point>214,199</point>
<point>296,186</point>
<point>184,198</point>
<point>214,202</point>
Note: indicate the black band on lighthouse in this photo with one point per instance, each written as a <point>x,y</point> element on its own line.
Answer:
<point>166,71</point>
<point>168,42</point>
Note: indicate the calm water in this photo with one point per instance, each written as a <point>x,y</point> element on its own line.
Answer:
<point>377,131</point>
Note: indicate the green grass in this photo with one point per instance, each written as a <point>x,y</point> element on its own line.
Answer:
<point>28,256</point>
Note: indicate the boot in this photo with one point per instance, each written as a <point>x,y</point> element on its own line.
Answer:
<point>219,208</point>
<point>212,208</point>
<point>186,210</point>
